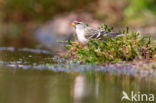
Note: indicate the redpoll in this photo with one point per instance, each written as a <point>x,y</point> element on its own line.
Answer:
<point>84,32</point>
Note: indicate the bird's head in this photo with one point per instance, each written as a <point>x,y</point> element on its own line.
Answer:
<point>78,24</point>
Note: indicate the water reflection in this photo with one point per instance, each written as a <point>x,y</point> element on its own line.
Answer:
<point>79,89</point>
<point>25,77</point>
<point>43,86</point>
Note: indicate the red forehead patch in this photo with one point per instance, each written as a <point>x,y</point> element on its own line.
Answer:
<point>77,21</point>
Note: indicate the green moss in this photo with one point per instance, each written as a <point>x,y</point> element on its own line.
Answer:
<point>112,50</point>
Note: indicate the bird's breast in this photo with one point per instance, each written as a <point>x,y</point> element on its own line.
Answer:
<point>81,36</point>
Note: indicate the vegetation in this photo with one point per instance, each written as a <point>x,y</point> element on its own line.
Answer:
<point>140,12</point>
<point>129,47</point>
<point>37,10</point>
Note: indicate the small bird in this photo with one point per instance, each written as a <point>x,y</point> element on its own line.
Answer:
<point>84,32</point>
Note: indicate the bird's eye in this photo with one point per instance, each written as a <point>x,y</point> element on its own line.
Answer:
<point>77,23</point>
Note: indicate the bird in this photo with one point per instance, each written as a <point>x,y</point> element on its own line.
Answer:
<point>84,32</point>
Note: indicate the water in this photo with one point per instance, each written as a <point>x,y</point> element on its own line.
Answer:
<point>34,76</point>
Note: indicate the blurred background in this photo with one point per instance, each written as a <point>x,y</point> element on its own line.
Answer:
<point>40,23</point>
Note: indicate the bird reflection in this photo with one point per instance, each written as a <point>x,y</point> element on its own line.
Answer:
<point>79,89</point>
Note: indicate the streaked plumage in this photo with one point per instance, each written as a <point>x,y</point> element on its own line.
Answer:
<point>84,32</point>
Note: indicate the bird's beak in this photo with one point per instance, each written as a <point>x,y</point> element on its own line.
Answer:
<point>73,24</point>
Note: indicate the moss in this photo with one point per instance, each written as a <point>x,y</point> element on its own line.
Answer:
<point>129,47</point>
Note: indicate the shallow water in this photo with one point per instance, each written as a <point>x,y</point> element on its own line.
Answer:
<point>34,76</point>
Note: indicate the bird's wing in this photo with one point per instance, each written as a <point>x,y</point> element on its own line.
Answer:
<point>91,33</point>
<point>111,34</point>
